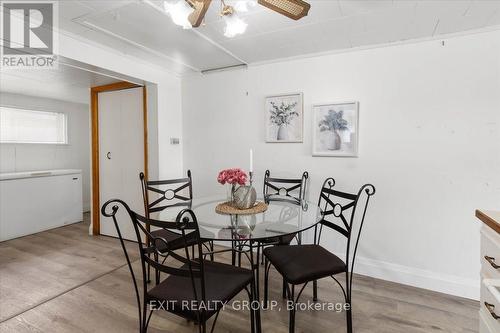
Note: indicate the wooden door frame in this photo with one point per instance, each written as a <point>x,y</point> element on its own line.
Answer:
<point>94,116</point>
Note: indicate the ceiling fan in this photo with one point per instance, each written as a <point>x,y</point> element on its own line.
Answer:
<point>190,13</point>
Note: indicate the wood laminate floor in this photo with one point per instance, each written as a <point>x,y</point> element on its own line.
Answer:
<point>66,281</point>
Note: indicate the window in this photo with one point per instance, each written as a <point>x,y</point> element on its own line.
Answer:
<point>29,126</point>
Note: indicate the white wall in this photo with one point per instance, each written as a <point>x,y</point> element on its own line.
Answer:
<point>164,99</point>
<point>167,109</point>
<point>429,142</point>
<point>74,155</point>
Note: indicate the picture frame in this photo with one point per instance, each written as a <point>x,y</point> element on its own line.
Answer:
<point>335,130</point>
<point>284,118</point>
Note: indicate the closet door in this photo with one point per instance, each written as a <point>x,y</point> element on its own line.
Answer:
<point>121,154</point>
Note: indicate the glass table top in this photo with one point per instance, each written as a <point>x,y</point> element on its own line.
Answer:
<point>281,218</point>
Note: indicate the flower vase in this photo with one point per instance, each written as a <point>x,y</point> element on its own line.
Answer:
<point>282,132</point>
<point>334,140</point>
<point>230,193</point>
<point>244,197</point>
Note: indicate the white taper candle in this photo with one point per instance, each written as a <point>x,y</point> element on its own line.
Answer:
<point>251,160</point>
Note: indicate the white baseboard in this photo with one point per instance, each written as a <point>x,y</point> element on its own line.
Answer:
<point>415,277</point>
<point>444,283</point>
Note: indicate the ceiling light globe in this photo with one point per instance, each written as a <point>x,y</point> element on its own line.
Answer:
<point>179,12</point>
<point>234,25</point>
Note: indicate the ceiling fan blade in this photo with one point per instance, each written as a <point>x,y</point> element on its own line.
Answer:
<point>294,9</point>
<point>200,9</point>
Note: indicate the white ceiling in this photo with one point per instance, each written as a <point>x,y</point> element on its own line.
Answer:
<point>65,83</point>
<point>136,28</point>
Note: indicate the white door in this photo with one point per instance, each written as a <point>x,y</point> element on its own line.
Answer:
<point>121,155</point>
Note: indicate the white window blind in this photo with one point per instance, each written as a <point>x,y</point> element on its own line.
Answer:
<point>30,126</point>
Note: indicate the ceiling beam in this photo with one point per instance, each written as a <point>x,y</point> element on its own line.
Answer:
<point>138,45</point>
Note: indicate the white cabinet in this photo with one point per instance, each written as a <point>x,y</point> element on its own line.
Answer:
<point>31,202</point>
<point>490,305</point>
<point>489,315</point>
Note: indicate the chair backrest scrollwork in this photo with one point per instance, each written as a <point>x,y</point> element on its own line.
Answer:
<point>288,189</point>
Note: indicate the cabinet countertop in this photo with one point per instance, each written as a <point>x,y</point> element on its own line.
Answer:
<point>490,217</point>
<point>37,174</point>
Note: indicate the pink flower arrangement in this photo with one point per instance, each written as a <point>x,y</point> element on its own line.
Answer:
<point>232,176</point>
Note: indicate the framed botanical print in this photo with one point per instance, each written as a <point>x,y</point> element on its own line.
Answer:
<point>335,129</point>
<point>284,118</point>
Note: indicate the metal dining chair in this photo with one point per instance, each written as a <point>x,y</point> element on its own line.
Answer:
<point>280,189</point>
<point>343,213</point>
<point>161,195</point>
<point>283,189</point>
<point>289,189</point>
<point>195,289</point>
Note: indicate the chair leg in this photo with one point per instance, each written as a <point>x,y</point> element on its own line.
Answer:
<point>233,253</point>
<point>349,320</point>
<point>252,312</point>
<point>267,266</point>
<point>284,288</point>
<point>147,321</point>
<point>148,280</point>
<point>348,300</point>
<point>315,290</point>
<point>239,255</point>
<point>291,328</point>
<point>262,256</point>
<point>258,256</point>
<point>291,298</point>
<point>203,324</point>
<point>212,250</point>
<point>144,327</point>
<point>257,273</point>
<point>156,272</point>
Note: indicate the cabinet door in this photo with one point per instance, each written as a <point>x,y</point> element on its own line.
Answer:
<point>121,154</point>
<point>74,199</point>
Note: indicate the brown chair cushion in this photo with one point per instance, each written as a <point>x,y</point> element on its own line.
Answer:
<point>175,240</point>
<point>222,283</point>
<point>287,239</point>
<point>302,263</point>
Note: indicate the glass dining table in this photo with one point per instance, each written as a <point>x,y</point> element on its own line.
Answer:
<point>246,232</point>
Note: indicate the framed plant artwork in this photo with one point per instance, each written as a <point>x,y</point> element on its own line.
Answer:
<point>335,129</point>
<point>284,118</point>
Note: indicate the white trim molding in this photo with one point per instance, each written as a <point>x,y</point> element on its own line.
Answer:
<point>420,278</point>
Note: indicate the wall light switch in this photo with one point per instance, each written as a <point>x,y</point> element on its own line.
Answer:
<point>174,141</point>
